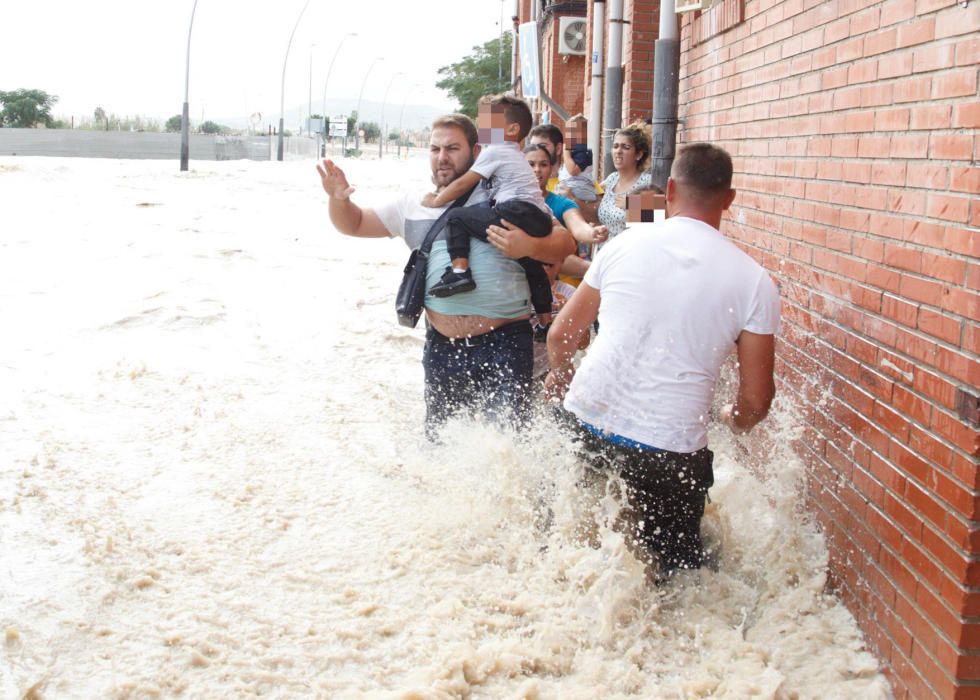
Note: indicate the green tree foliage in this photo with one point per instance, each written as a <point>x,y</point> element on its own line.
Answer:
<point>174,123</point>
<point>477,74</point>
<point>210,127</point>
<point>101,120</point>
<point>372,132</point>
<point>26,109</point>
<point>351,123</point>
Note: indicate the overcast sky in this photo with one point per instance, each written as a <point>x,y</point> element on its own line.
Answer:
<point>128,56</point>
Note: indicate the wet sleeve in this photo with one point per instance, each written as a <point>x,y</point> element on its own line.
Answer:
<point>764,311</point>
<point>392,215</point>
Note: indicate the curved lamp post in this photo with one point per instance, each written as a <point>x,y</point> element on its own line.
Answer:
<point>401,116</point>
<point>185,119</point>
<point>357,123</point>
<point>309,95</point>
<point>323,106</point>
<point>384,103</point>
<point>282,95</point>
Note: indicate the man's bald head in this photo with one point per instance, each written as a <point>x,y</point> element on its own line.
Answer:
<point>700,183</point>
<point>704,169</point>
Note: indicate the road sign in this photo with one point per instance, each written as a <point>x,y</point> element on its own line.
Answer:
<point>338,126</point>
<point>530,65</point>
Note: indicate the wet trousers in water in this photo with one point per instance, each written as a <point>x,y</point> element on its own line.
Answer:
<point>665,492</point>
<point>489,374</point>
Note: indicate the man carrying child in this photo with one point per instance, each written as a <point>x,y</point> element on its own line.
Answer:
<point>503,123</point>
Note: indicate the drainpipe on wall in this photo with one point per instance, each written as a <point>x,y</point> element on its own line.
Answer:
<point>666,79</point>
<point>514,68</point>
<point>613,115</point>
<point>595,104</point>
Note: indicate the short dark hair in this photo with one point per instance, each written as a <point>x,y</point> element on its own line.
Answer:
<point>534,147</point>
<point>703,167</point>
<point>515,109</point>
<point>550,132</point>
<point>458,121</point>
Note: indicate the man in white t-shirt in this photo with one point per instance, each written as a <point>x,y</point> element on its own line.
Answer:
<point>672,299</point>
<point>478,352</point>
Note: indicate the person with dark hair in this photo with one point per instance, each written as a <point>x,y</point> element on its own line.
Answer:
<point>504,121</point>
<point>673,299</point>
<point>630,151</point>
<point>478,352</point>
<point>552,138</point>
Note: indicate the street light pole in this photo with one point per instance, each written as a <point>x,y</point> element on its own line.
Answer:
<point>323,108</point>
<point>185,118</point>
<point>357,122</point>
<point>282,94</point>
<point>384,103</point>
<point>309,106</point>
<point>401,117</point>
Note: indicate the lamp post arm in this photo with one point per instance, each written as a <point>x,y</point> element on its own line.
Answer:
<point>185,116</point>
<point>282,93</point>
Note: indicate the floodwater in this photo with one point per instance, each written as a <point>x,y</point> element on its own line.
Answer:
<point>213,482</point>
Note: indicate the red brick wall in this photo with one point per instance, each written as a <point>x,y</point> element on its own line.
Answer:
<point>852,124</point>
<point>638,39</point>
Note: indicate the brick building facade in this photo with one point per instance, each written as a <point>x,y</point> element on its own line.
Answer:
<point>853,127</point>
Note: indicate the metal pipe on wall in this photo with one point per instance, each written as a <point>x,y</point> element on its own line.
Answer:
<point>613,114</point>
<point>595,104</point>
<point>666,78</point>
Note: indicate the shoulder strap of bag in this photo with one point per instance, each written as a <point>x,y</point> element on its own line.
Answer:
<point>430,237</point>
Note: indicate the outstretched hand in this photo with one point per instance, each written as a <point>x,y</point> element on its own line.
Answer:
<point>599,234</point>
<point>334,180</point>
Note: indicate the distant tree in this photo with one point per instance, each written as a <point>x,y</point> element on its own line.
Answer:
<point>372,132</point>
<point>210,127</point>
<point>100,118</point>
<point>477,74</point>
<point>174,123</point>
<point>394,136</point>
<point>351,123</point>
<point>26,109</point>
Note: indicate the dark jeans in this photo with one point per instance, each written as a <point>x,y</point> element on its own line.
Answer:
<point>488,374</point>
<point>472,222</point>
<point>665,494</point>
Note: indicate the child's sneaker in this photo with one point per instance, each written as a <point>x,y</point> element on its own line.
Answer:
<point>453,283</point>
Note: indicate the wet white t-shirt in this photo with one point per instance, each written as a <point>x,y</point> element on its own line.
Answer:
<point>674,297</point>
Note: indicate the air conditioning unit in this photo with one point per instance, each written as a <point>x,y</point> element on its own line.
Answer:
<point>572,37</point>
<point>683,6</point>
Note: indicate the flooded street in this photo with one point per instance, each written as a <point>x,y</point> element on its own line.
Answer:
<point>213,481</point>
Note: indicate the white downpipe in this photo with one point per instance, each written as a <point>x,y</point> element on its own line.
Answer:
<point>595,105</point>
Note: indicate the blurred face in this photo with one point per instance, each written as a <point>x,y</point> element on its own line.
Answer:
<point>645,206</point>
<point>450,155</point>
<point>576,133</point>
<point>540,163</point>
<point>624,153</point>
<point>491,124</point>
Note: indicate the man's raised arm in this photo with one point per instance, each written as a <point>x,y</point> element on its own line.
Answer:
<point>347,217</point>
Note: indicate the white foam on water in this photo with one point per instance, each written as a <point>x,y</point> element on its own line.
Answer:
<point>212,480</point>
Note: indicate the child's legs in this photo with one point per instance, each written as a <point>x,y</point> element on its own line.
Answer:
<point>466,222</point>
<point>532,220</point>
<point>538,282</point>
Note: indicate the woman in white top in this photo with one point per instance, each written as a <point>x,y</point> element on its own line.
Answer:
<point>631,152</point>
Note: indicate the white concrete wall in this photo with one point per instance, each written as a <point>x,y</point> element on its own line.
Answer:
<point>146,145</point>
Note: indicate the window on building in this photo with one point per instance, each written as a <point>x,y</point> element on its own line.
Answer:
<point>716,17</point>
